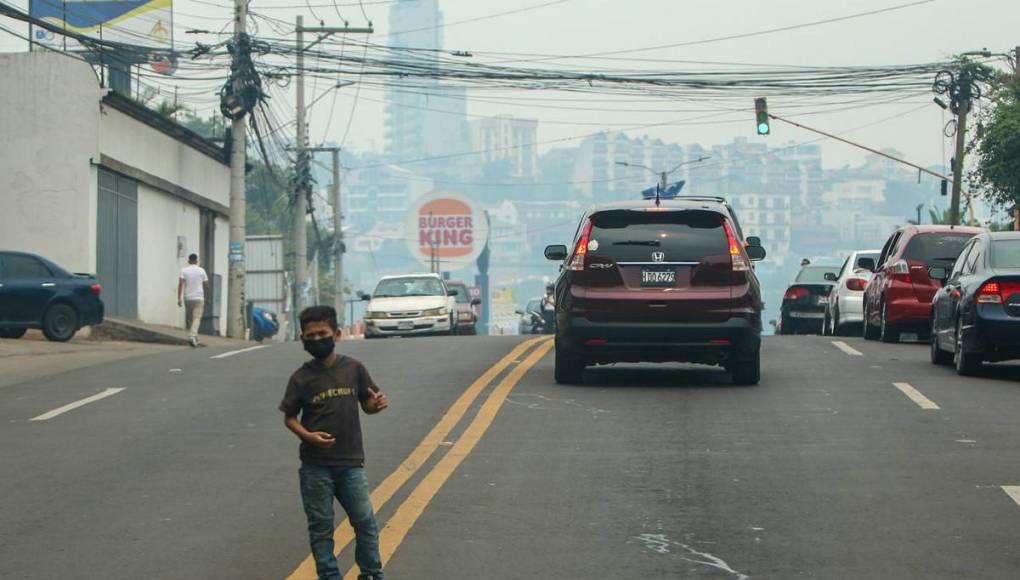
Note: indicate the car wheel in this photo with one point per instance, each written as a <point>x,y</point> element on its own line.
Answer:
<point>938,356</point>
<point>786,326</point>
<point>825,324</point>
<point>887,332</point>
<point>567,370</point>
<point>967,364</point>
<point>869,332</point>
<point>837,327</point>
<point>12,332</point>
<point>747,371</point>
<point>60,323</point>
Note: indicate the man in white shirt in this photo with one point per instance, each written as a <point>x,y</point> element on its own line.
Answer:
<point>191,290</point>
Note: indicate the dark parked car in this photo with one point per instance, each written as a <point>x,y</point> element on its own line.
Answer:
<point>36,293</point>
<point>467,319</point>
<point>976,314</point>
<point>898,296</point>
<point>803,308</point>
<point>658,281</point>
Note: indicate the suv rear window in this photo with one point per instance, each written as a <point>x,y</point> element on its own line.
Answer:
<point>930,248</point>
<point>635,236</point>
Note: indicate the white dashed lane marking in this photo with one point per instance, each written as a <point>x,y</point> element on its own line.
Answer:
<point>916,396</point>
<point>72,406</point>
<point>243,350</point>
<point>847,348</point>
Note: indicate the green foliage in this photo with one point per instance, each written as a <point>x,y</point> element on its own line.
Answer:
<point>998,145</point>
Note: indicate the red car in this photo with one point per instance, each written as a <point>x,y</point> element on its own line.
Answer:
<point>900,293</point>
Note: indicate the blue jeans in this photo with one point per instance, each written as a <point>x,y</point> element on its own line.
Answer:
<point>319,485</point>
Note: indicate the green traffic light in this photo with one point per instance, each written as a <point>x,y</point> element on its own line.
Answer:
<point>763,128</point>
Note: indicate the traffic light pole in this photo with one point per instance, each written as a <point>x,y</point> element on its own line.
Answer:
<point>860,146</point>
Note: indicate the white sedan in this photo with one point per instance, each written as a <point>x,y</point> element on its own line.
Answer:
<point>412,304</point>
<point>845,305</point>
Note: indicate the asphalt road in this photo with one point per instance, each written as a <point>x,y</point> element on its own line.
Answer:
<point>837,465</point>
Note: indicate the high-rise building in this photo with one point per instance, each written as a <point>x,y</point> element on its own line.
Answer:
<point>506,138</point>
<point>424,118</point>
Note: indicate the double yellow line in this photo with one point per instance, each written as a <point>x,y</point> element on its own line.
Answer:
<point>398,526</point>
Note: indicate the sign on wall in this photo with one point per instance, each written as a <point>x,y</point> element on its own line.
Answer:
<point>145,23</point>
<point>446,231</point>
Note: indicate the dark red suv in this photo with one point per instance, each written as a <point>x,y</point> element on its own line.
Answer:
<point>666,281</point>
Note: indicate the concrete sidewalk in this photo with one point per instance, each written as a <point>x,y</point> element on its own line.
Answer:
<point>33,356</point>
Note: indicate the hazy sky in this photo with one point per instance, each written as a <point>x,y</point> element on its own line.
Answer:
<point>922,33</point>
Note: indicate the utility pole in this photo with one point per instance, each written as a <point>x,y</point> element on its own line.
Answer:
<point>302,185</point>
<point>338,240</point>
<point>1016,73</point>
<point>236,273</point>
<point>300,235</point>
<point>961,144</point>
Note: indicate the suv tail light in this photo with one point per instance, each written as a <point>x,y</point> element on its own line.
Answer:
<point>96,289</point>
<point>795,293</point>
<point>737,257</point>
<point>994,292</point>
<point>580,250</point>
<point>856,284</point>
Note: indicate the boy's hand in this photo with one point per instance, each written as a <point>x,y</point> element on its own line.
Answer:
<point>378,402</point>
<point>321,439</point>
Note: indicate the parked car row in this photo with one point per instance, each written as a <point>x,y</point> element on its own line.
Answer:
<point>957,286</point>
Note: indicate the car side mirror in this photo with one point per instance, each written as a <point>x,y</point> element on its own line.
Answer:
<point>476,301</point>
<point>753,241</point>
<point>519,312</point>
<point>451,292</point>
<point>866,264</point>
<point>938,273</point>
<point>366,297</point>
<point>830,276</point>
<point>556,253</point>
<point>756,253</point>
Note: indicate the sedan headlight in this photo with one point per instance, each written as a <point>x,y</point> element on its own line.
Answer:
<point>435,312</point>
<point>375,314</point>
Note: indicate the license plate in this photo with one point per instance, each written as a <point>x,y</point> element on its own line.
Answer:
<point>405,325</point>
<point>651,277</point>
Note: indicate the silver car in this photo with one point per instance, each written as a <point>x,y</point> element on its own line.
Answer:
<point>845,305</point>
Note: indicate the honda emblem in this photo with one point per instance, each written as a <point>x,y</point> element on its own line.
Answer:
<point>658,256</point>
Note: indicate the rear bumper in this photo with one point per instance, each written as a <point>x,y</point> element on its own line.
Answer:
<point>91,315</point>
<point>851,308</point>
<point>907,310</point>
<point>995,334</point>
<point>710,343</point>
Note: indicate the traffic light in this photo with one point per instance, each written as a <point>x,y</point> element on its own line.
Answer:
<point>761,113</point>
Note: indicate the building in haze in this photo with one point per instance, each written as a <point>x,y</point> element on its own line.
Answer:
<point>504,137</point>
<point>424,118</point>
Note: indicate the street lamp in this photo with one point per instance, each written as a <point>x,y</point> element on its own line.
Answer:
<point>663,175</point>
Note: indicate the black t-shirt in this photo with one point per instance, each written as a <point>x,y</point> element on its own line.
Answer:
<point>328,399</point>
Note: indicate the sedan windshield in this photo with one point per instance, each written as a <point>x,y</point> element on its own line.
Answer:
<point>399,287</point>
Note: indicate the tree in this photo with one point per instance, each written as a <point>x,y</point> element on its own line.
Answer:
<point>998,145</point>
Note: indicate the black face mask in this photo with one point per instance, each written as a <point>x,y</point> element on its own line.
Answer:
<point>320,348</point>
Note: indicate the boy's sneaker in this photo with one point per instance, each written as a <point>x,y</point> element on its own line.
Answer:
<point>193,341</point>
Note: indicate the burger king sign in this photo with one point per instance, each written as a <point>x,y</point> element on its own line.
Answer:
<point>447,228</point>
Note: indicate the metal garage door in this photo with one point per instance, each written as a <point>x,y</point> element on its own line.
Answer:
<point>117,244</point>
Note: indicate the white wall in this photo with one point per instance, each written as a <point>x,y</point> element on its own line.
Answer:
<point>138,145</point>
<point>162,218</point>
<point>49,127</point>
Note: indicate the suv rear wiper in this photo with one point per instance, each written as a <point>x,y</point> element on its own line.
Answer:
<point>638,243</point>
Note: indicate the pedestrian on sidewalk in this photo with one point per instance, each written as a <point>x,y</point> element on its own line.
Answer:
<point>192,286</point>
<point>327,391</point>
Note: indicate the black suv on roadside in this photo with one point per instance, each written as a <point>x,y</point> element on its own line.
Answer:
<point>665,280</point>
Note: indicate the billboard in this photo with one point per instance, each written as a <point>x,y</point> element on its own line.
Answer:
<point>446,231</point>
<point>144,23</point>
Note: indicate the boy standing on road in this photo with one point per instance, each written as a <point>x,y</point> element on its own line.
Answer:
<point>191,290</point>
<point>327,391</point>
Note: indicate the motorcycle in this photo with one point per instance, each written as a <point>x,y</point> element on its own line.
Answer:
<point>264,324</point>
